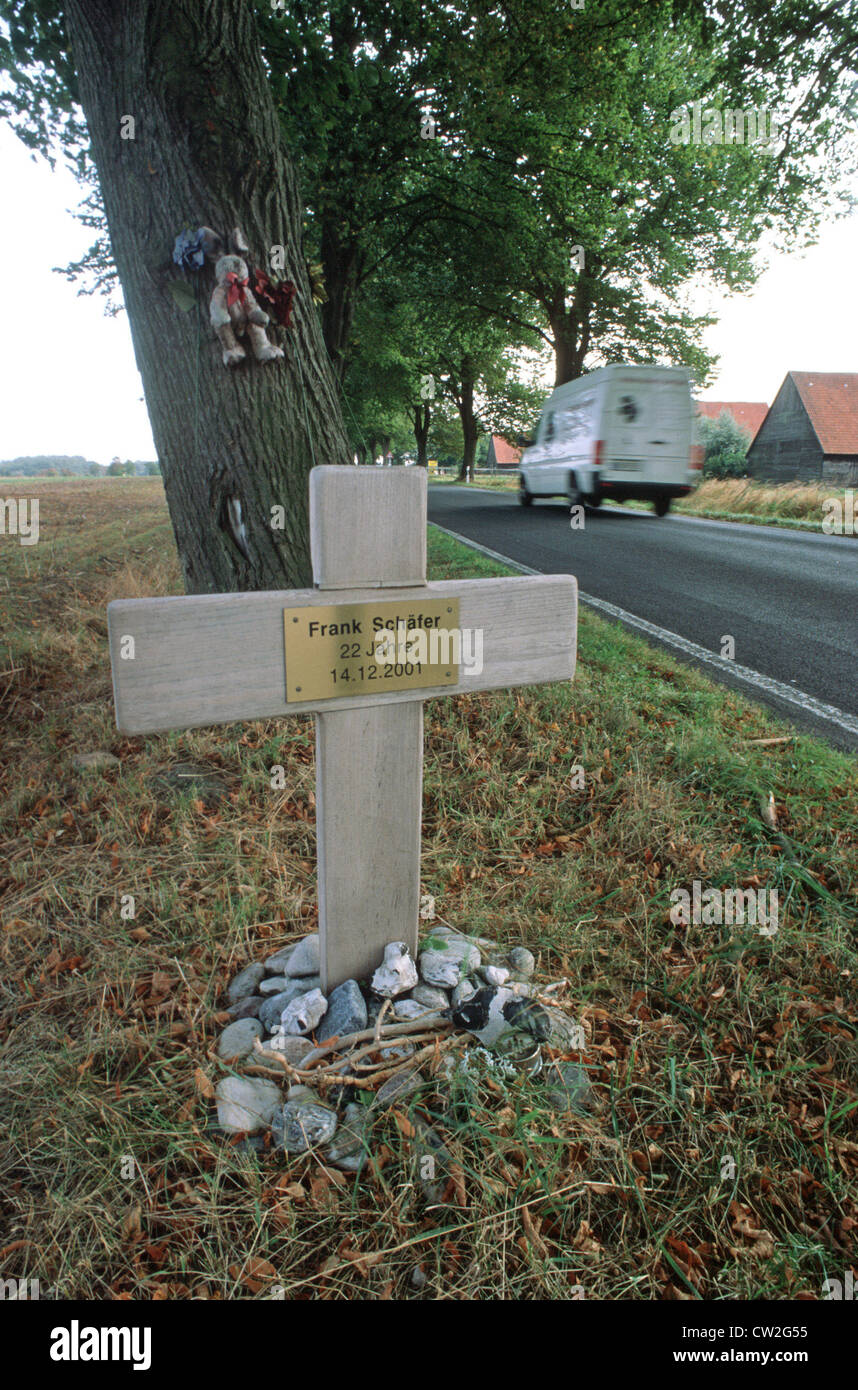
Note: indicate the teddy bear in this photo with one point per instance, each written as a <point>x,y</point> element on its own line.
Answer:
<point>235,313</point>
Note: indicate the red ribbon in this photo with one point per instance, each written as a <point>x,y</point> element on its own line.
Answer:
<point>235,289</point>
<point>278,297</point>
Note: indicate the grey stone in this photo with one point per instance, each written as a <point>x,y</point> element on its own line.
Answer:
<point>465,990</point>
<point>304,960</point>
<point>569,1087</point>
<point>237,1040</point>
<point>245,983</point>
<point>394,1051</point>
<point>275,984</point>
<point>304,1013</point>
<point>406,1009</point>
<point>349,1149</point>
<point>246,1008</point>
<point>346,1012</point>
<point>396,1088</point>
<point>271,1009</point>
<point>431,996</point>
<point>446,967</point>
<point>246,1104</point>
<point>562,1030</point>
<point>292,1049</point>
<point>522,961</point>
<point>397,973</point>
<point>419,1278</point>
<point>276,964</point>
<point>304,1124</point>
<point>96,761</point>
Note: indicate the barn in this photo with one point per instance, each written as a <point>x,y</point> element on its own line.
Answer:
<point>811,431</point>
<point>501,454</point>
<point>749,415</point>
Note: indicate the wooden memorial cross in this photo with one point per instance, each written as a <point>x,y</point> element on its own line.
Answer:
<point>181,663</point>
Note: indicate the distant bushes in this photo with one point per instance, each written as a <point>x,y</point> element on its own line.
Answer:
<point>725,446</point>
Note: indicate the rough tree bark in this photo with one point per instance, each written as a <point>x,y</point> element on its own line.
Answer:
<point>340,265</point>
<point>470,423</point>
<point>570,330</point>
<point>422,420</point>
<point>234,443</point>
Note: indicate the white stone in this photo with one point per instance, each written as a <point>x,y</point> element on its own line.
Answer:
<point>304,1013</point>
<point>397,973</point>
<point>444,968</point>
<point>494,974</point>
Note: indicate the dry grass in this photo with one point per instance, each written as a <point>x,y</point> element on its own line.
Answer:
<point>742,497</point>
<point>703,1044</point>
<point>732,499</point>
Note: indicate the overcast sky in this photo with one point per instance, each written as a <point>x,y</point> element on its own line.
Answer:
<point>72,387</point>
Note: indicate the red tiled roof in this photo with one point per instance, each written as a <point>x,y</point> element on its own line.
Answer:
<point>505,453</point>
<point>748,414</point>
<point>831,401</point>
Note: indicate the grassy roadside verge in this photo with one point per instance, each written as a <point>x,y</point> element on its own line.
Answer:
<point>704,1044</point>
<point>797,506</point>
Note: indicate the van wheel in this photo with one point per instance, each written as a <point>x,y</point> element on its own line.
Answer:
<point>590,501</point>
<point>524,497</point>
<point>662,506</point>
<point>575,495</point>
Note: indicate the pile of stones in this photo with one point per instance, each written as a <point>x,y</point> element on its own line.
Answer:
<point>365,1032</point>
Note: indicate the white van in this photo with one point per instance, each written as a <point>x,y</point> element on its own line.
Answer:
<point>618,432</point>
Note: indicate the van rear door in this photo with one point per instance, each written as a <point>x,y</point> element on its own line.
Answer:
<point>648,427</point>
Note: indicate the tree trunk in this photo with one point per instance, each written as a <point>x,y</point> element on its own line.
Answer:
<point>422,418</point>
<point>339,262</point>
<point>235,444</point>
<point>470,425</point>
<point>570,331</point>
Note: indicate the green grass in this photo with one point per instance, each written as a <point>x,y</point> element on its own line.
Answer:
<point>704,1044</point>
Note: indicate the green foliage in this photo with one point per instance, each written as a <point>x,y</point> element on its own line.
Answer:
<point>484,182</point>
<point>725,445</point>
<point>37,465</point>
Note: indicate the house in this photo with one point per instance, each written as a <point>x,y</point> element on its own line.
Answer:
<point>811,432</point>
<point>501,454</point>
<point>749,415</point>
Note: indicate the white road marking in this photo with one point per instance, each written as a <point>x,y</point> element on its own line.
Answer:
<point>829,713</point>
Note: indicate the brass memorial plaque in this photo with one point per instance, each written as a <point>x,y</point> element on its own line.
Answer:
<point>344,649</point>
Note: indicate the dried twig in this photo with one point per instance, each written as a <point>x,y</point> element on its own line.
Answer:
<point>379,1021</point>
<point>765,742</point>
<point>390,1030</point>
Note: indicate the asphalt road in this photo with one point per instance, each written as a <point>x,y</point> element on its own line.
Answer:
<point>788,598</point>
